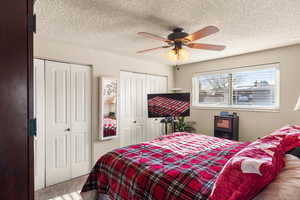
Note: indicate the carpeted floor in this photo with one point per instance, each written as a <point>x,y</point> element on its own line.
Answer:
<point>63,191</point>
<point>70,196</point>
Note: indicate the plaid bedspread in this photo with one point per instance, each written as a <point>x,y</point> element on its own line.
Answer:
<point>179,166</point>
<point>167,106</point>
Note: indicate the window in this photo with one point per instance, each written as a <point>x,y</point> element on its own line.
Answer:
<point>213,89</point>
<point>249,87</point>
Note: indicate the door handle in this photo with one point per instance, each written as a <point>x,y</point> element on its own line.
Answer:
<point>134,122</point>
<point>68,129</point>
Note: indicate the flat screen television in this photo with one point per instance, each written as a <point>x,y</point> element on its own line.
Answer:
<point>168,105</point>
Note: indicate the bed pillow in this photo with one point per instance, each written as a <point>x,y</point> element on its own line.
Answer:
<point>250,170</point>
<point>287,183</point>
<point>290,136</point>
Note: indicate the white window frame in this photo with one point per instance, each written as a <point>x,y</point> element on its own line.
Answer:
<point>195,90</point>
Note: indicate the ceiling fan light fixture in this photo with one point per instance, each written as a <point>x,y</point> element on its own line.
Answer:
<point>177,55</point>
<point>172,55</point>
<point>183,54</point>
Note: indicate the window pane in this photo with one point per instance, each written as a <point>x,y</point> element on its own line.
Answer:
<point>257,87</point>
<point>213,89</point>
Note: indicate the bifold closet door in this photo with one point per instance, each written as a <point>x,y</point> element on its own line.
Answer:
<point>126,108</point>
<point>139,108</point>
<point>68,121</point>
<point>135,125</point>
<point>80,120</point>
<point>133,108</point>
<point>58,154</point>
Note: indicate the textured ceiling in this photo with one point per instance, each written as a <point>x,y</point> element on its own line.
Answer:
<point>111,25</point>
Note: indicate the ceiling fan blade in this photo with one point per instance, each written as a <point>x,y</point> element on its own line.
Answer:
<point>206,46</point>
<point>147,50</point>
<point>153,36</point>
<point>202,33</point>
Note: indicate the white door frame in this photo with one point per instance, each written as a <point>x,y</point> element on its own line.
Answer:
<point>39,114</point>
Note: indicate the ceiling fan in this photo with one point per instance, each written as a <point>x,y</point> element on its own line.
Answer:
<point>178,38</point>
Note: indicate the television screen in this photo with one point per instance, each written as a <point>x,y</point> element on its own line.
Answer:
<point>168,105</point>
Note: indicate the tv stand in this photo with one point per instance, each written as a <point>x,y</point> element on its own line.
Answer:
<point>166,125</point>
<point>166,121</point>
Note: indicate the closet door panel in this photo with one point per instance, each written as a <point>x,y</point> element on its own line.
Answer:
<point>139,106</point>
<point>135,125</point>
<point>133,105</point>
<point>155,85</point>
<point>80,120</point>
<point>126,111</point>
<point>80,97</point>
<point>57,80</point>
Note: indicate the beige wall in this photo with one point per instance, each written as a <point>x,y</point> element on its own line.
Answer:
<point>252,124</point>
<point>104,64</point>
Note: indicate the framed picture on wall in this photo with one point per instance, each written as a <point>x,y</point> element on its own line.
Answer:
<point>108,108</point>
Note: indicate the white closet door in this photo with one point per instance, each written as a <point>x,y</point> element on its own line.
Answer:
<point>57,78</point>
<point>135,125</point>
<point>39,114</point>
<point>126,114</point>
<point>80,120</point>
<point>139,101</point>
<point>133,108</point>
<point>155,85</point>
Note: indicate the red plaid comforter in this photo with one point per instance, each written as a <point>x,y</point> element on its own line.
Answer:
<point>167,106</point>
<point>179,166</point>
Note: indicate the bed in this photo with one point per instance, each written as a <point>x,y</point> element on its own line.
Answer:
<point>190,166</point>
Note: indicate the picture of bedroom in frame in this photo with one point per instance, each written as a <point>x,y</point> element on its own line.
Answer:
<point>108,108</point>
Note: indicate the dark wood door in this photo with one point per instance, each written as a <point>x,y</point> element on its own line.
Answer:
<point>16,169</point>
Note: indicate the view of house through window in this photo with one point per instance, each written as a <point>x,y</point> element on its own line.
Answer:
<point>250,87</point>
<point>213,88</point>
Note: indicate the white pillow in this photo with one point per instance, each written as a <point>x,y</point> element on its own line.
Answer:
<point>286,186</point>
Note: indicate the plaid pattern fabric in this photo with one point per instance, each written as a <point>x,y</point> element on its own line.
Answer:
<point>179,166</point>
<point>110,127</point>
<point>250,170</point>
<point>110,123</point>
<point>109,132</point>
<point>167,106</point>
